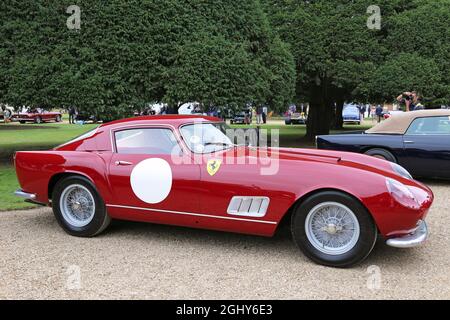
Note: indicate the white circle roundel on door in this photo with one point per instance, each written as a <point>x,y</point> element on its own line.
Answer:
<point>151,180</point>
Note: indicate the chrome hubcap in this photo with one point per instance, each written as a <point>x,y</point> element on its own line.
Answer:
<point>77,205</point>
<point>332,228</point>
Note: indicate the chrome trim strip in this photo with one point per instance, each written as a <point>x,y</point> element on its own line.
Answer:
<point>419,236</point>
<point>25,195</point>
<point>190,214</point>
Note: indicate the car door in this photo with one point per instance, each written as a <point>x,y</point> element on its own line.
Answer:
<point>45,116</point>
<point>427,147</point>
<point>145,174</point>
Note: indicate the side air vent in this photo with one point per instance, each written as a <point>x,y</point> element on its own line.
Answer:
<point>248,206</point>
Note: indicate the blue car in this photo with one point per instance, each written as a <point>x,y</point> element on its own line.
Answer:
<point>351,114</point>
<point>419,141</point>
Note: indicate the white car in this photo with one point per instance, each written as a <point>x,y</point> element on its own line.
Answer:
<point>190,108</point>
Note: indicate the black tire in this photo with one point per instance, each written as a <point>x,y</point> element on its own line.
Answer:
<point>58,118</point>
<point>38,120</point>
<point>356,254</point>
<point>100,220</point>
<point>381,153</point>
<point>287,122</point>
<point>22,122</point>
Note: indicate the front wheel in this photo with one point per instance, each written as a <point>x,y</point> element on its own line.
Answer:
<point>38,120</point>
<point>78,207</point>
<point>58,118</point>
<point>333,229</point>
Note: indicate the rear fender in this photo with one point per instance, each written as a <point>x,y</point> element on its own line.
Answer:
<point>39,171</point>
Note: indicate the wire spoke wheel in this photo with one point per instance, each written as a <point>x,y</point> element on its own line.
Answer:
<point>77,205</point>
<point>332,228</point>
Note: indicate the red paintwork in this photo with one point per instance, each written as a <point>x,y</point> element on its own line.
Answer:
<point>32,116</point>
<point>301,172</point>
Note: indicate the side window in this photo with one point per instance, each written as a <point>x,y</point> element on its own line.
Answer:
<point>146,141</point>
<point>430,125</point>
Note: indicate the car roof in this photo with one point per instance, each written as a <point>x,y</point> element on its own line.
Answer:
<point>399,123</point>
<point>173,119</point>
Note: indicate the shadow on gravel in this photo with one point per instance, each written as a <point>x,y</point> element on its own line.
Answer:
<point>196,236</point>
<point>279,246</point>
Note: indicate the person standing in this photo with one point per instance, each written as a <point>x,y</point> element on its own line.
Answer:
<point>248,116</point>
<point>72,115</point>
<point>419,105</point>
<point>259,115</point>
<point>362,111</point>
<point>379,113</point>
<point>264,114</point>
<point>409,99</point>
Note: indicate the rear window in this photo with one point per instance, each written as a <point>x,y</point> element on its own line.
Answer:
<point>86,135</point>
<point>430,125</point>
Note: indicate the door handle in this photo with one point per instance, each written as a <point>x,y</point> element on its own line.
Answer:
<point>123,163</point>
<point>408,141</point>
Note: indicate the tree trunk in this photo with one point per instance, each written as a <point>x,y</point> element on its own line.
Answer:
<point>338,120</point>
<point>319,114</point>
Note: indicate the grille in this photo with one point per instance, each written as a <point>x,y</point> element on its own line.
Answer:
<point>248,206</point>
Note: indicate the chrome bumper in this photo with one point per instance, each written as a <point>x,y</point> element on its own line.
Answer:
<point>419,236</point>
<point>25,195</point>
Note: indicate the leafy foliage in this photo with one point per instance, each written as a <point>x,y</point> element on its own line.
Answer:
<point>128,54</point>
<point>339,58</point>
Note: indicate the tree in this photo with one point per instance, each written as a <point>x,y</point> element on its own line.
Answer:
<point>339,58</point>
<point>128,54</point>
<point>332,48</point>
<point>395,76</point>
<point>421,35</point>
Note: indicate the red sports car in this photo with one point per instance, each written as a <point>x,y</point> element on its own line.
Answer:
<point>184,170</point>
<point>37,116</point>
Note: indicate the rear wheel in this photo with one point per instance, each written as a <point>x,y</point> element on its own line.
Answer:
<point>38,120</point>
<point>22,122</point>
<point>78,207</point>
<point>381,154</point>
<point>333,229</point>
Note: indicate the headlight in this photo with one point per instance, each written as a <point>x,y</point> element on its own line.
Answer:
<point>402,172</point>
<point>401,193</point>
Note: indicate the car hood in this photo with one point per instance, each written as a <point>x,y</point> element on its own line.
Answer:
<point>291,159</point>
<point>335,158</point>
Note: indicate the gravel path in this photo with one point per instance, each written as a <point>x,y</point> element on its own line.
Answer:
<point>145,261</point>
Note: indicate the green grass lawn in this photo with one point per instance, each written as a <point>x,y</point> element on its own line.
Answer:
<point>8,184</point>
<point>15,137</point>
<point>292,136</point>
